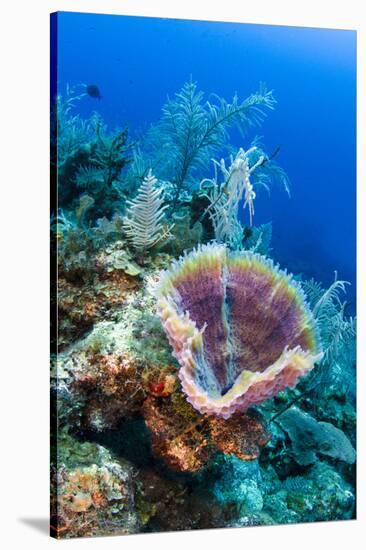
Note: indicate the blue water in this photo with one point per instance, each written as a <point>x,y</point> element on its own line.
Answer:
<point>137,62</point>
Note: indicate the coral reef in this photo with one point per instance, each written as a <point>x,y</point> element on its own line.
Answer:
<point>239,485</point>
<point>82,305</point>
<point>235,352</point>
<point>320,494</point>
<point>185,440</point>
<point>210,390</point>
<point>110,388</point>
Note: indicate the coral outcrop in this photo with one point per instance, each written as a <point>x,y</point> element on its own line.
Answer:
<point>109,387</point>
<point>240,328</point>
<point>179,437</point>
<point>92,284</point>
<point>241,435</point>
<point>82,305</point>
<point>186,440</point>
<point>95,492</point>
<point>309,438</point>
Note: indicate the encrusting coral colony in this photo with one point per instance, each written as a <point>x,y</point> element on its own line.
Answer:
<point>195,384</point>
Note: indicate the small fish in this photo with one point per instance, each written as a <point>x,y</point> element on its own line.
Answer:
<point>93,91</point>
<point>247,233</point>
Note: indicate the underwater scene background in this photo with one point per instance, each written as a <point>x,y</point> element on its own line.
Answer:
<point>203,338</point>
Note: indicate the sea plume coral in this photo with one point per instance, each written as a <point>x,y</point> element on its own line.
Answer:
<point>240,328</point>
<point>338,334</point>
<point>192,130</point>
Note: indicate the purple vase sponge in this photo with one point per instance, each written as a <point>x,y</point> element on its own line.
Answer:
<point>240,328</point>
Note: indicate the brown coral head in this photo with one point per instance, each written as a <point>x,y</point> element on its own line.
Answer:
<point>177,433</point>
<point>242,435</point>
<point>239,327</point>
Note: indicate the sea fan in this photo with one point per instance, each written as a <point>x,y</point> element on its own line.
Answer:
<point>145,214</point>
<point>111,153</point>
<point>313,290</point>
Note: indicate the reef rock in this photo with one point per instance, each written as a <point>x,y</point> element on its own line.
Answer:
<point>185,440</point>
<point>80,306</point>
<point>95,492</point>
<point>239,485</point>
<point>106,388</point>
<point>309,438</point>
<point>240,328</point>
<point>178,435</point>
<point>241,435</point>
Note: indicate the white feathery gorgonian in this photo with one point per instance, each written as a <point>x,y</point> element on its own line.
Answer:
<point>145,215</point>
<point>225,197</point>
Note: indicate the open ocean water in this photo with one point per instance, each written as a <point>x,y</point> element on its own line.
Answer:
<point>138,61</point>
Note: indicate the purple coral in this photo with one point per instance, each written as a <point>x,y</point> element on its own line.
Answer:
<point>240,328</point>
